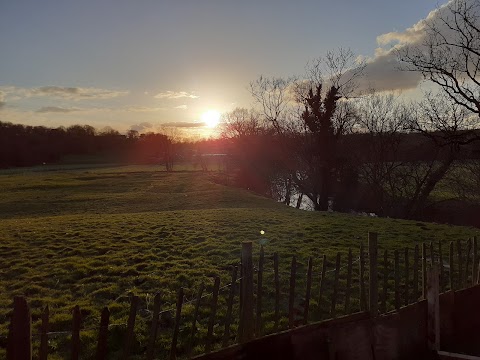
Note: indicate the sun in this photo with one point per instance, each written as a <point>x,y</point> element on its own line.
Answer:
<point>211,118</point>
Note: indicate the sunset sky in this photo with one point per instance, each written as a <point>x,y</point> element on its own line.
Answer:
<point>143,64</point>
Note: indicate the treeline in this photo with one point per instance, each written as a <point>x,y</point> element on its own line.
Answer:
<point>22,145</point>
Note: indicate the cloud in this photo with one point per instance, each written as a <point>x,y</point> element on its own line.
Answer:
<point>142,127</point>
<point>56,109</point>
<point>181,107</point>
<point>383,69</point>
<point>143,109</point>
<point>184,124</point>
<point>68,93</point>
<point>175,95</point>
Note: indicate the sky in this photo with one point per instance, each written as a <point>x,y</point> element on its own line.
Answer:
<point>148,64</point>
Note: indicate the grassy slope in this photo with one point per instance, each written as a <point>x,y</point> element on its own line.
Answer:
<point>91,236</point>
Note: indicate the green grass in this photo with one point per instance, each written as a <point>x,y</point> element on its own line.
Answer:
<point>90,236</point>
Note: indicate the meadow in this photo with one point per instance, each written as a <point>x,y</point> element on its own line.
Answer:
<point>90,236</point>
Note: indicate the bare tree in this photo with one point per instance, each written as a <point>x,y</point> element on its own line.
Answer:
<point>449,127</point>
<point>450,54</point>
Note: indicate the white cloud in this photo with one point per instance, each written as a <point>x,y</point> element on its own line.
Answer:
<point>181,107</point>
<point>383,69</point>
<point>175,95</point>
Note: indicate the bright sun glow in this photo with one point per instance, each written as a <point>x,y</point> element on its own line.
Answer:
<point>211,118</point>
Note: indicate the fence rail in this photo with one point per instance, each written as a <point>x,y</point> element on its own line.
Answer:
<point>251,309</point>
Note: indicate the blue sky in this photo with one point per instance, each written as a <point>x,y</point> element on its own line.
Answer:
<point>141,64</point>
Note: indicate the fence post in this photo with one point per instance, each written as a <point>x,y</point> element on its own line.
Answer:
<point>433,310</point>
<point>195,316</point>
<point>407,276</point>
<point>228,316</point>
<point>452,276</point>
<point>178,315</point>
<point>103,335</point>
<point>76,333</point>
<point>322,285</point>
<point>20,336</point>
<point>213,312</point>
<point>385,282</point>
<point>440,260</point>
<point>475,262</point>
<point>153,327</point>
<point>308,291</point>
<point>415,273</point>
<point>258,327</point>
<point>467,262</point>
<point>362,279</point>
<point>277,292</point>
<point>130,326</point>
<point>291,299</point>
<point>373,288</point>
<point>246,312</point>
<point>460,264</point>
<point>335,287</point>
<point>43,352</point>
<point>424,271</point>
<point>397,280</point>
<point>349,282</point>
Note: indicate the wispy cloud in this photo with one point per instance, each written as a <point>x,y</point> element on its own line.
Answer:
<point>59,92</point>
<point>56,109</point>
<point>175,95</point>
<point>184,124</point>
<point>181,107</point>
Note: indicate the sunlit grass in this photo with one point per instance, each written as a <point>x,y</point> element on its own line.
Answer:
<point>91,236</point>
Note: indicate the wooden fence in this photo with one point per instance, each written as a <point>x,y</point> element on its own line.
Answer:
<point>253,310</point>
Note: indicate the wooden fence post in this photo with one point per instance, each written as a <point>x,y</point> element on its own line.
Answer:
<point>385,282</point>
<point>246,311</point>
<point>397,280</point>
<point>424,271</point>
<point>363,301</point>
<point>228,316</point>
<point>452,278</point>
<point>333,312</point>
<point>153,327</point>
<point>373,278</point>
<point>475,261</point>
<point>43,351</point>
<point>213,312</point>
<point>349,282</point>
<point>20,337</point>
<point>258,323</point>
<point>415,273</point>
<point>467,262</point>
<point>130,326</point>
<point>407,277</point>
<point>76,322</point>
<point>277,292</point>
<point>178,316</point>
<point>195,316</point>
<point>308,291</point>
<point>460,264</point>
<point>322,285</point>
<point>291,298</point>
<point>433,310</point>
<point>440,261</point>
<point>101,353</point>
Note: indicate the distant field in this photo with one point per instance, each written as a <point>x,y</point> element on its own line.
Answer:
<point>90,235</point>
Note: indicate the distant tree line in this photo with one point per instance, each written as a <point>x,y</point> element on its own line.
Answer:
<point>22,145</point>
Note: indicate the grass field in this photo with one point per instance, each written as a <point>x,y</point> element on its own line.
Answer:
<point>91,235</point>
